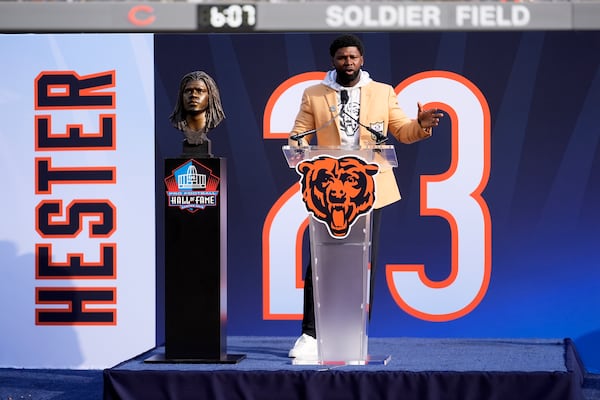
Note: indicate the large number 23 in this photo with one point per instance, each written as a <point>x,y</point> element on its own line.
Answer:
<point>454,195</point>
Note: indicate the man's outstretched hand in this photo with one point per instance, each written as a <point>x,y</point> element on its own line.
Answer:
<point>428,118</point>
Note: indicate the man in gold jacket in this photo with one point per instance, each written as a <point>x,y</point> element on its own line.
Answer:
<point>349,109</point>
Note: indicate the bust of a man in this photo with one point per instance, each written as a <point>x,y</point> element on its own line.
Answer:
<point>198,110</point>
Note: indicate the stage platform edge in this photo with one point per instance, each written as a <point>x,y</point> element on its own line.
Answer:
<point>420,368</point>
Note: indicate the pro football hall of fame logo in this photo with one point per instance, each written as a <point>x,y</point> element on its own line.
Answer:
<point>192,187</point>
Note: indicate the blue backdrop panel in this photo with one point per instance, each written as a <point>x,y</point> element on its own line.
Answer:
<point>543,89</point>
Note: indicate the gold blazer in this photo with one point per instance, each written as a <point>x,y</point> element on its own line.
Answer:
<point>378,106</point>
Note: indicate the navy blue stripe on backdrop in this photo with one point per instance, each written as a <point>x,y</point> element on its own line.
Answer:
<point>542,89</point>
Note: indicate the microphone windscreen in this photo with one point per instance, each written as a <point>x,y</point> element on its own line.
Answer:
<point>344,96</point>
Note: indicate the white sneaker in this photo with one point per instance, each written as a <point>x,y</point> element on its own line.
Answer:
<point>305,348</point>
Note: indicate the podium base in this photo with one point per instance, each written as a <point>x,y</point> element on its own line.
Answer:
<point>161,358</point>
<point>371,360</point>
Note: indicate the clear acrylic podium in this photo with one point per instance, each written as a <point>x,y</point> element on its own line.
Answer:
<point>341,270</point>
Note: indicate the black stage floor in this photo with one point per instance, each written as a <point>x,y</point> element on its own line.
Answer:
<point>419,369</point>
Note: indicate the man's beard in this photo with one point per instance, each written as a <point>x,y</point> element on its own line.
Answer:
<point>344,79</point>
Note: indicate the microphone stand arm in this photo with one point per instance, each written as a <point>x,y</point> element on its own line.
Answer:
<point>378,136</point>
<point>298,137</point>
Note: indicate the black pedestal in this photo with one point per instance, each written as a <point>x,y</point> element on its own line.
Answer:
<point>195,262</point>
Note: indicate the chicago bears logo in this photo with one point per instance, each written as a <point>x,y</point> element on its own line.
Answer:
<point>337,190</point>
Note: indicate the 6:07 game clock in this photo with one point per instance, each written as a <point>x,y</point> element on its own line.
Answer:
<point>226,17</point>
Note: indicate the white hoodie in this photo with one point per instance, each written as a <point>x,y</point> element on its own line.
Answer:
<point>349,128</point>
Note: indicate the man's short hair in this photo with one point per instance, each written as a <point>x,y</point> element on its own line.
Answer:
<point>346,41</point>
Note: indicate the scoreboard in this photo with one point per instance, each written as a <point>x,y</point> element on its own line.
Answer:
<point>313,16</point>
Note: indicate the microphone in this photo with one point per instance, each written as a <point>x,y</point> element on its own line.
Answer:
<point>299,136</point>
<point>344,97</point>
<point>377,136</point>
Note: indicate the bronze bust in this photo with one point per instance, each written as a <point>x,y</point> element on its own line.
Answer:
<point>197,111</point>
